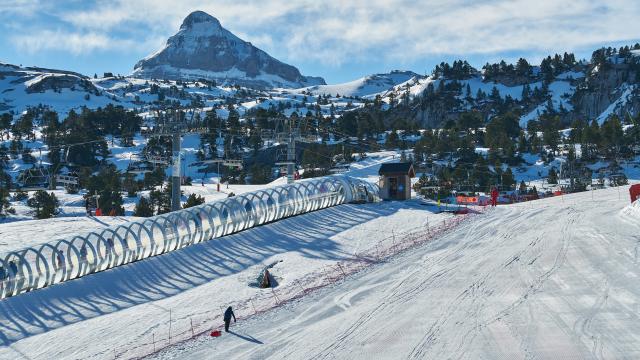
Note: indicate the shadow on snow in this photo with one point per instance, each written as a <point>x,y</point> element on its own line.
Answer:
<point>169,274</point>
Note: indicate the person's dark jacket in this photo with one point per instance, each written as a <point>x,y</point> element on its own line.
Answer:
<point>228,314</point>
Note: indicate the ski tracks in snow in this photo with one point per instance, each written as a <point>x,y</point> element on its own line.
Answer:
<point>476,298</point>
<point>464,313</point>
<point>553,279</point>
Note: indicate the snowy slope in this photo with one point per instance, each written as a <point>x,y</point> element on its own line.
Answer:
<point>550,279</point>
<point>367,86</point>
<point>627,93</point>
<point>126,307</point>
<point>475,83</point>
<point>192,282</point>
<point>63,91</point>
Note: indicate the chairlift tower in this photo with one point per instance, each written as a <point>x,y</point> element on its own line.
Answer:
<point>291,158</point>
<point>175,127</point>
<point>290,137</point>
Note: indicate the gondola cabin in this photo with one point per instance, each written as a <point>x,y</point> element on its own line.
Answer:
<point>395,181</point>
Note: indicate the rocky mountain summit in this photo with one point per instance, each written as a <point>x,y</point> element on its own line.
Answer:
<point>203,49</point>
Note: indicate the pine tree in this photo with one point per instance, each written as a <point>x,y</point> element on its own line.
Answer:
<point>45,204</point>
<point>534,191</point>
<point>5,123</point>
<point>260,174</point>
<point>522,67</point>
<point>507,179</point>
<point>21,195</point>
<point>111,203</point>
<point>154,178</point>
<point>193,200</point>
<point>522,188</point>
<point>392,141</point>
<point>495,95</point>
<point>526,91</point>
<point>547,69</point>
<point>130,184</point>
<point>5,204</point>
<point>143,208</point>
<point>553,177</point>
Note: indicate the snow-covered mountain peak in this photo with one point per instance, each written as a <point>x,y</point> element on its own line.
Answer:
<point>200,24</point>
<point>202,48</point>
<point>198,17</point>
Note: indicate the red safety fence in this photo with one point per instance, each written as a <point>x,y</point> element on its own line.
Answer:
<point>634,191</point>
<point>184,329</point>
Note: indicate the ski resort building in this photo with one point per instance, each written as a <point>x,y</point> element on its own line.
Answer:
<point>395,181</point>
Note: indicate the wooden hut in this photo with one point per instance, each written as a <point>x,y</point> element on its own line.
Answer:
<point>395,181</point>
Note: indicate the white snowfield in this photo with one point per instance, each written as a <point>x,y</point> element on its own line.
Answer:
<point>552,279</point>
<point>367,86</point>
<point>121,311</point>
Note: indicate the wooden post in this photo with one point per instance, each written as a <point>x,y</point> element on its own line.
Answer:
<point>153,338</point>
<point>169,326</point>
<point>192,332</point>
<point>393,233</point>
<point>343,274</point>
<point>326,275</point>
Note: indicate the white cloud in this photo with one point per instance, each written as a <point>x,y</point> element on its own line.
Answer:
<point>334,32</point>
<point>21,7</point>
<point>75,43</point>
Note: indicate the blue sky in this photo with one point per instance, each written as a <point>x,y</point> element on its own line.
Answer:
<point>339,40</point>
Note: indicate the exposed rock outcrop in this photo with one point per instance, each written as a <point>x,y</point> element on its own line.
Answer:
<point>202,48</point>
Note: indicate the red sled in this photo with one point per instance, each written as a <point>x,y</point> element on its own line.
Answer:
<point>216,333</point>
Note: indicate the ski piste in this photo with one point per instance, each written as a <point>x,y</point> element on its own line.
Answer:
<point>502,266</point>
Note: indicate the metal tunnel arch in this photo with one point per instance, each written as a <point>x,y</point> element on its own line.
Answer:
<point>79,255</point>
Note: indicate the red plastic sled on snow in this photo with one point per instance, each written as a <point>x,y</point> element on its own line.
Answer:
<point>216,333</point>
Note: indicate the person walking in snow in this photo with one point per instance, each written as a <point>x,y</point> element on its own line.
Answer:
<point>227,318</point>
<point>494,196</point>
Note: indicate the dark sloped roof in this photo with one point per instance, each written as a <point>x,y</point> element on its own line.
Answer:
<point>396,168</point>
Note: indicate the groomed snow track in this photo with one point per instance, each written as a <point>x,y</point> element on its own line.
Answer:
<point>70,258</point>
<point>550,279</point>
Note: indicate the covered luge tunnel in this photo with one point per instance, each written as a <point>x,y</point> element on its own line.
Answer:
<point>70,258</point>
